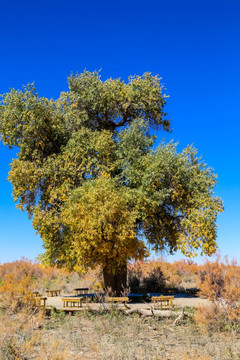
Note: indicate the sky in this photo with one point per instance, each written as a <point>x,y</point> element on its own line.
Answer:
<point>193,45</point>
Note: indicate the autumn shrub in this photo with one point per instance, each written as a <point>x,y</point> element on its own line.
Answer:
<point>39,276</point>
<point>156,274</point>
<point>146,276</point>
<point>19,317</point>
<point>20,320</point>
<point>16,288</point>
<point>220,283</point>
<point>171,274</point>
<point>46,278</point>
<point>187,271</point>
<point>154,281</point>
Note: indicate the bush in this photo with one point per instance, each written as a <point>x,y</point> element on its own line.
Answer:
<point>220,283</point>
<point>146,277</point>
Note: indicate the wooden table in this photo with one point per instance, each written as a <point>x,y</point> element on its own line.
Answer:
<point>52,293</point>
<point>162,302</point>
<point>40,301</point>
<point>81,291</point>
<point>72,302</point>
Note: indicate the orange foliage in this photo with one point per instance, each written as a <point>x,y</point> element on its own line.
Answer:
<point>180,274</point>
<point>145,276</point>
<point>30,268</point>
<point>23,276</point>
<point>20,320</point>
<point>219,280</point>
<point>220,283</point>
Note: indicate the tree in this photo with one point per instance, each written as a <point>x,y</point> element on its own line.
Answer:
<point>98,189</point>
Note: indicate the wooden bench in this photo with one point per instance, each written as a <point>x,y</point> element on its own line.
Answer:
<point>162,302</point>
<point>81,291</point>
<point>72,302</point>
<point>117,300</point>
<point>52,293</point>
<point>40,301</point>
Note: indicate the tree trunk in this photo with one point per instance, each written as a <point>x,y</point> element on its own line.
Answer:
<point>115,280</point>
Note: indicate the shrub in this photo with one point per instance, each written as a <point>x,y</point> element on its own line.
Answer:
<point>146,276</point>
<point>20,320</point>
<point>220,283</point>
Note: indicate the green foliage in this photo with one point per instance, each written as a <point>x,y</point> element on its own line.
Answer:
<point>58,314</point>
<point>88,174</point>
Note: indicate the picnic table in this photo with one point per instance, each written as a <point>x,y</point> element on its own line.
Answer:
<point>40,301</point>
<point>162,302</point>
<point>81,291</point>
<point>52,293</point>
<point>74,301</point>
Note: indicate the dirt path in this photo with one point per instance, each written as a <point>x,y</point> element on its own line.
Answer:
<point>180,300</point>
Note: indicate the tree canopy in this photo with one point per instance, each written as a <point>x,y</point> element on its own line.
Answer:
<point>99,190</point>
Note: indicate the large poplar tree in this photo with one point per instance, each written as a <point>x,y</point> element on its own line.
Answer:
<point>98,189</point>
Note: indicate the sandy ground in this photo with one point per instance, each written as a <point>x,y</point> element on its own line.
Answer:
<point>180,300</point>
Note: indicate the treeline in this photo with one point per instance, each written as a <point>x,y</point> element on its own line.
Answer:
<point>214,278</point>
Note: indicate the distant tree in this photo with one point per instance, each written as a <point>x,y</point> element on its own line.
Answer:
<point>97,188</point>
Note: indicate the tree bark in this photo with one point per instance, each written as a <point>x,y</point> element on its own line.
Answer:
<point>115,280</point>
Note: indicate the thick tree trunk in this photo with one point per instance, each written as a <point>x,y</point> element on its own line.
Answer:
<point>115,280</point>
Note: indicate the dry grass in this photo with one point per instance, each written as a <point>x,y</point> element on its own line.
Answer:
<point>115,336</point>
<point>26,334</point>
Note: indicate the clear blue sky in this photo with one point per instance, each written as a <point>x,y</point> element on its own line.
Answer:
<point>193,45</point>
